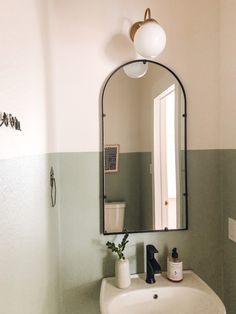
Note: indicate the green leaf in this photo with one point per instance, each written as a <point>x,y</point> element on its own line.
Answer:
<point>120,247</point>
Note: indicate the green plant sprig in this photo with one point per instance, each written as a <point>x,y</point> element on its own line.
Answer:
<point>120,248</point>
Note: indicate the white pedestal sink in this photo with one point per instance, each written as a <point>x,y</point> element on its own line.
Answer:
<point>191,296</point>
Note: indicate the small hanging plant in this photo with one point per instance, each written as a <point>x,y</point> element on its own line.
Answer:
<point>119,249</point>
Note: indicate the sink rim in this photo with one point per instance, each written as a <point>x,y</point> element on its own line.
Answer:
<point>109,291</point>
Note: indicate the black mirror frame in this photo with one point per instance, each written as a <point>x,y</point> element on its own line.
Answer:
<point>102,176</point>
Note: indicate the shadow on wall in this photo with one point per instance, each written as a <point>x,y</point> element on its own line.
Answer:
<point>135,254</point>
<point>140,257</point>
<point>108,264</point>
<point>83,299</point>
<point>119,47</point>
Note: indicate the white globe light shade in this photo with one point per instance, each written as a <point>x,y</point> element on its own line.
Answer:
<point>150,40</point>
<point>136,69</point>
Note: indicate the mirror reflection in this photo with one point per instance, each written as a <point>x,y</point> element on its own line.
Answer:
<point>144,141</point>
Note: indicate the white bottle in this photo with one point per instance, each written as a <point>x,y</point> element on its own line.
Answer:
<point>174,267</point>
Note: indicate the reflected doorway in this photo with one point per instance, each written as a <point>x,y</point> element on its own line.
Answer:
<point>164,161</point>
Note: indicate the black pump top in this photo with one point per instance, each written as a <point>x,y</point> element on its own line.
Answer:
<point>174,253</point>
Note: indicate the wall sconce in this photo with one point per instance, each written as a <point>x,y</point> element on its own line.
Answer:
<point>148,36</point>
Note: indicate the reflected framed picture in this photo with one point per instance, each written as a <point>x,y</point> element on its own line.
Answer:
<point>111,158</point>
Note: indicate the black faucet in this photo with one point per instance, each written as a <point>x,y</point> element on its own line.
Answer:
<point>152,265</point>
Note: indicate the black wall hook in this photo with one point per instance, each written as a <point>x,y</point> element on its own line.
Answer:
<point>9,121</point>
<point>53,188</point>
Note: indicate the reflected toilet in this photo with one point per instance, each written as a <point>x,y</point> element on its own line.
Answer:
<point>114,216</point>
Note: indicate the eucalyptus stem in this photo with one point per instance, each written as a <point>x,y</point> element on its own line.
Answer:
<point>120,247</point>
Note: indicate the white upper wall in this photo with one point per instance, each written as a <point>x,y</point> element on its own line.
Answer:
<point>52,69</point>
<point>122,110</point>
<point>228,74</point>
<point>128,105</point>
<point>28,232</point>
<point>90,40</point>
<point>23,76</point>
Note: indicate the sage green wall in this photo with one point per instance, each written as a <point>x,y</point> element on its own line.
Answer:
<point>84,259</point>
<point>228,204</point>
<point>146,221</point>
<point>124,185</point>
<point>75,225</point>
<point>28,237</point>
<point>132,184</point>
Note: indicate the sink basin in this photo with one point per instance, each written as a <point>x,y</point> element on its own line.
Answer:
<point>191,296</point>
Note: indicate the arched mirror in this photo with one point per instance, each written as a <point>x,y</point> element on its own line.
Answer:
<point>144,149</point>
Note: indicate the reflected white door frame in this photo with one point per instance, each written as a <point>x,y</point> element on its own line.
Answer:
<point>164,180</point>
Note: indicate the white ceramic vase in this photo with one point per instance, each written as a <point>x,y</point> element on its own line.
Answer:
<point>122,273</point>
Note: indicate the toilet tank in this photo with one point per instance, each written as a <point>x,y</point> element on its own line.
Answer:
<point>114,213</point>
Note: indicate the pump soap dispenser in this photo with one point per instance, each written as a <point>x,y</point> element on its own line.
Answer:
<point>174,267</point>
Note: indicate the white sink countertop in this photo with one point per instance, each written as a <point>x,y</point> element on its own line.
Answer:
<point>190,296</point>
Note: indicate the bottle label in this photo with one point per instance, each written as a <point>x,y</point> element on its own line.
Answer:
<point>175,271</point>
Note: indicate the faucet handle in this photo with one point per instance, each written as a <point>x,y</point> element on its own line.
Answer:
<point>151,250</point>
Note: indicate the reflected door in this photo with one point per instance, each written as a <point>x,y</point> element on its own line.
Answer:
<point>164,160</point>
